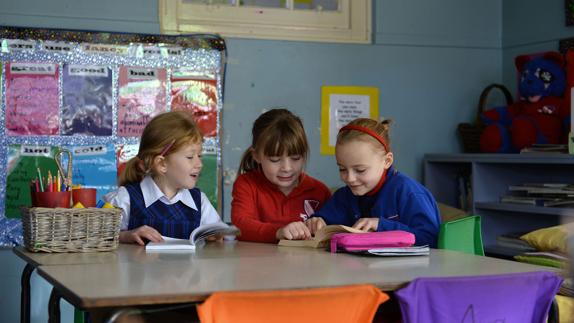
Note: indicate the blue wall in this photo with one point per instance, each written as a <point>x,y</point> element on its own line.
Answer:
<point>429,67</point>
<point>530,26</point>
<point>430,60</point>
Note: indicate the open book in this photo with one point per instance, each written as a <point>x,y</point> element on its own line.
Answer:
<point>321,238</point>
<point>197,237</point>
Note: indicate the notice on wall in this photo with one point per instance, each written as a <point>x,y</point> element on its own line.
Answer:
<point>32,99</point>
<point>87,100</point>
<point>94,166</point>
<point>341,105</point>
<point>197,94</point>
<point>141,97</point>
<point>26,163</point>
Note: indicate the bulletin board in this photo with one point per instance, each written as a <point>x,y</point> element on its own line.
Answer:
<point>92,93</point>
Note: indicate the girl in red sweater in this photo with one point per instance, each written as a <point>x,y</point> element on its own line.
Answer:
<point>272,196</point>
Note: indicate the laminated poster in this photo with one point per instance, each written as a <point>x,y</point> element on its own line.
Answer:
<point>208,180</point>
<point>32,99</point>
<point>22,168</point>
<point>198,95</point>
<point>87,100</point>
<point>125,152</point>
<point>142,95</point>
<point>94,166</point>
<point>342,104</point>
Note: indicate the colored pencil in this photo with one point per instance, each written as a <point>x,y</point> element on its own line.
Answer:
<point>59,182</point>
<point>40,179</point>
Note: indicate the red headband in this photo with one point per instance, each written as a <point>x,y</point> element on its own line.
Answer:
<point>368,132</point>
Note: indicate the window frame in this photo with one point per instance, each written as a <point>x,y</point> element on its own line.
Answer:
<point>352,24</point>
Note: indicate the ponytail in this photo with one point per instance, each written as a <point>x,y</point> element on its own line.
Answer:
<point>248,163</point>
<point>133,172</point>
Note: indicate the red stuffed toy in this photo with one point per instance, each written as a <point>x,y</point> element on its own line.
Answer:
<point>539,117</point>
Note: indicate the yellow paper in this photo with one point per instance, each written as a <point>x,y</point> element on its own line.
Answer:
<point>107,206</point>
<point>340,105</point>
<point>79,205</point>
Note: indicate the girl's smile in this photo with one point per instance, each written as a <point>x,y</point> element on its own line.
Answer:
<point>283,171</point>
<point>361,166</point>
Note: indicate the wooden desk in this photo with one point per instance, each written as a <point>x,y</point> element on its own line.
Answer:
<point>36,259</point>
<point>172,278</point>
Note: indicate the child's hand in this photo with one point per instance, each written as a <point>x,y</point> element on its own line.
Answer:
<point>315,224</point>
<point>138,235</point>
<point>367,224</point>
<point>294,231</point>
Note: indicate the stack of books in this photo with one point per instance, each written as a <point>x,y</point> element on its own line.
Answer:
<point>513,241</point>
<point>541,194</point>
<point>509,246</point>
<point>545,149</point>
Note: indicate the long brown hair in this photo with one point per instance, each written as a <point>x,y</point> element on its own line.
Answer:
<point>380,128</point>
<point>164,134</point>
<point>275,132</point>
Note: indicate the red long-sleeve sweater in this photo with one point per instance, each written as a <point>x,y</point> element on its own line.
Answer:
<point>259,208</point>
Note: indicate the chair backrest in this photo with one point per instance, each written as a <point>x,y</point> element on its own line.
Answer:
<point>517,297</point>
<point>357,303</point>
<point>462,235</point>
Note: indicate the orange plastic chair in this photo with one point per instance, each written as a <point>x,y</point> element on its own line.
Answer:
<point>347,304</point>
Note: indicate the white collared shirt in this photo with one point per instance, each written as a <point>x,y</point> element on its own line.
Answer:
<point>152,193</point>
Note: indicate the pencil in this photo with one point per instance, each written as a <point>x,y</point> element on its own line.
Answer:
<point>49,182</point>
<point>40,180</point>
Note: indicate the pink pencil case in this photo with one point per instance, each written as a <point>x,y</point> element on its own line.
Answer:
<point>371,240</point>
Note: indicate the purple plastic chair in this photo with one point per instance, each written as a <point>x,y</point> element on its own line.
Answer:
<point>519,297</point>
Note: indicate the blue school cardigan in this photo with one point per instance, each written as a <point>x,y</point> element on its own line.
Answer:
<point>401,204</point>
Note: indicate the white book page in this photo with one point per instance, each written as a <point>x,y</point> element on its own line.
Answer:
<point>207,230</point>
<point>170,244</point>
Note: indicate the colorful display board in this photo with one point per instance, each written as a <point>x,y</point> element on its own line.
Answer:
<point>92,94</point>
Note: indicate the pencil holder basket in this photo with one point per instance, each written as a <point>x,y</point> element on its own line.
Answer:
<point>71,230</point>
<point>470,132</point>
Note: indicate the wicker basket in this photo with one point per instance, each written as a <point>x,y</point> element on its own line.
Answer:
<point>71,230</point>
<point>470,133</point>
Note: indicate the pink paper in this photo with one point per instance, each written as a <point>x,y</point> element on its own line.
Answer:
<point>32,99</point>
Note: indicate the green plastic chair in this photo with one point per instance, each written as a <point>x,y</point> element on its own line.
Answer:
<point>462,235</point>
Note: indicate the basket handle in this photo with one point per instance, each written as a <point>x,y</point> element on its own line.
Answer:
<point>486,92</point>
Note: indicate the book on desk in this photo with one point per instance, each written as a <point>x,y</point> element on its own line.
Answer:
<point>321,237</point>
<point>197,237</point>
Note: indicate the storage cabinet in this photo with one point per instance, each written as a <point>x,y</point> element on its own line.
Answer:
<point>489,176</point>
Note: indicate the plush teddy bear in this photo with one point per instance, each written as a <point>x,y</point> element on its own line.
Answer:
<point>540,116</point>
